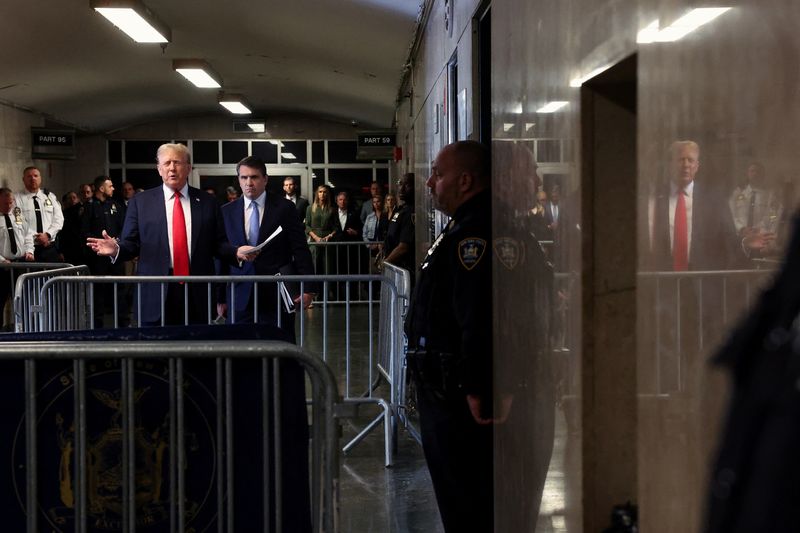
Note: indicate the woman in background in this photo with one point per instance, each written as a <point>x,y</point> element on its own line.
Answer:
<point>375,230</point>
<point>319,226</point>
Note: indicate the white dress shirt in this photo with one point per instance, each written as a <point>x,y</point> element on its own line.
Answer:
<point>260,201</point>
<point>342,218</point>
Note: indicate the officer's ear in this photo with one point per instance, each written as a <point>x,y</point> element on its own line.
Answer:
<point>465,181</point>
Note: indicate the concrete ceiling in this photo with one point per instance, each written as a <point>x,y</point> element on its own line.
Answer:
<point>339,59</point>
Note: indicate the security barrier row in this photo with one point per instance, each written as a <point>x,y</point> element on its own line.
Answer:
<point>131,491</point>
<point>371,331</point>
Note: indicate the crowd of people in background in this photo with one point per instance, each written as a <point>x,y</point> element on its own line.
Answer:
<point>346,235</point>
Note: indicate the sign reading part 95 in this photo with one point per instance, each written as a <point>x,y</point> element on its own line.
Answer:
<point>48,143</point>
<point>376,145</point>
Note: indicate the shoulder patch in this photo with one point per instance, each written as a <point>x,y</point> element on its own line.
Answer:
<point>510,252</point>
<point>470,251</point>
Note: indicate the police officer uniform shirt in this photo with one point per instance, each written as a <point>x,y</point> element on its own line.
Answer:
<point>15,227</point>
<point>99,215</point>
<point>49,210</point>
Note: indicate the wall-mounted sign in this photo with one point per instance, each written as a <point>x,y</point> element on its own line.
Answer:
<point>378,145</point>
<point>47,143</point>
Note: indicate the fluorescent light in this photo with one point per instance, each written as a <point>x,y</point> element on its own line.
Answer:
<point>507,126</point>
<point>529,125</point>
<point>580,80</point>
<point>257,127</point>
<point>288,155</point>
<point>235,103</point>
<point>135,19</point>
<point>517,109</point>
<point>198,72</point>
<point>276,143</point>
<point>679,29</point>
<point>552,107</point>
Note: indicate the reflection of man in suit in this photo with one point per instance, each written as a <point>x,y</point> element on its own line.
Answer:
<point>290,188</point>
<point>251,219</point>
<point>692,229</point>
<point>173,230</point>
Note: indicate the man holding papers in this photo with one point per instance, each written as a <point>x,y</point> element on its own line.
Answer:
<point>271,225</point>
<point>257,218</point>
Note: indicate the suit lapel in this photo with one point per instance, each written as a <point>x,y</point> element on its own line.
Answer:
<point>238,222</point>
<point>270,219</point>
<point>194,207</point>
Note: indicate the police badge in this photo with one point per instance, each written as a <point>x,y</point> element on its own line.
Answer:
<point>18,215</point>
<point>470,252</point>
<point>47,202</point>
<point>113,209</point>
<point>509,251</point>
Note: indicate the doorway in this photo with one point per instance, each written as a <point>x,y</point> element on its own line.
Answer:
<point>609,229</point>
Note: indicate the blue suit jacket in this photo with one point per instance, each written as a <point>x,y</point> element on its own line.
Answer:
<point>288,253</point>
<point>144,235</point>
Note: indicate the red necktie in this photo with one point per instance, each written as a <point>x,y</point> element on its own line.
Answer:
<point>680,242</point>
<point>180,248</point>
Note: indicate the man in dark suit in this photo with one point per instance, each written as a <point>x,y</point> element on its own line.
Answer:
<point>251,219</point>
<point>290,188</point>
<point>691,229</point>
<point>347,229</point>
<point>173,230</point>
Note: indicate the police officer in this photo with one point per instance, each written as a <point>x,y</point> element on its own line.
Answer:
<point>16,242</point>
<point>398,246</point>
<point>41,209</point>
<point>100,213</point>
<point>449,328</point>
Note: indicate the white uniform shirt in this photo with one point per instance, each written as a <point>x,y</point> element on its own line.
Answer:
<point>50,209</point>
<point>23,235</point>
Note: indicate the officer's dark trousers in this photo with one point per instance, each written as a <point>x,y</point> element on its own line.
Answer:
<point>459,456</point>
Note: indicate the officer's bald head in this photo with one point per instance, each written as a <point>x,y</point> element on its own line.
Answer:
<point>473,158</point>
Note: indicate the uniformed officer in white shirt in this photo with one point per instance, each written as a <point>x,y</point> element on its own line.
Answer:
<point>41,209</point>
<point>16,241</point>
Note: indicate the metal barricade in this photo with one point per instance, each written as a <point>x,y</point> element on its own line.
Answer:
<point>392,340</point>
<point>350,328</point>
<point>341,259</point>
<point>28,302</point>
<point>325,404</point>
<point>682,315</point>
<point>11,270</point>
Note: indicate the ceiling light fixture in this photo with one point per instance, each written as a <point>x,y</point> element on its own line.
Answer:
<point>552,107</point>
<point>198,72</point>
<point>507,126</point>
<point>235,103</point>
<point>288,155</point>
<point>135,19</point>
<point>653,33</point>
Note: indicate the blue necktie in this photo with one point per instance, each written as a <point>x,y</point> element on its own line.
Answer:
<point>252,235</point>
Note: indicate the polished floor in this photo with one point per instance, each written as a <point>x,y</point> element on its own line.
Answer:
<point>400,498</point>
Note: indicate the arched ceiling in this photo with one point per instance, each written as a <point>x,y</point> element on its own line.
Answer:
<point>339,59</point>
